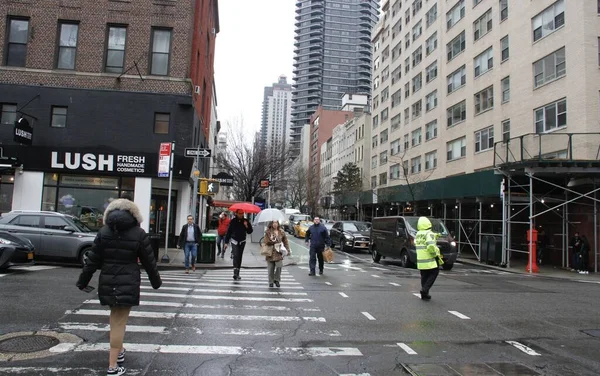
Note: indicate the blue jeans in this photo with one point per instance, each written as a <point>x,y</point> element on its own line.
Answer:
<point>190,249</point>
<point>316,253</point>
<point>220,243</point>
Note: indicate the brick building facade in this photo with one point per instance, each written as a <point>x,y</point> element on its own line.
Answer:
<point>105,79</point>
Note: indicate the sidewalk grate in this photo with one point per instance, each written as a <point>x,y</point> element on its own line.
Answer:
<point>27,344</point>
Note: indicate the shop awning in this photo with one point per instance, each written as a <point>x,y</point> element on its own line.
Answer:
<point>224,203</point>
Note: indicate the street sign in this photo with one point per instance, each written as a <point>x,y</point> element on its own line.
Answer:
<point>224,179</point>
<point>195,152</point>
<point>23,132</point>
<point>164,160</point>
<point>264,183</point>
<point>208,187</point>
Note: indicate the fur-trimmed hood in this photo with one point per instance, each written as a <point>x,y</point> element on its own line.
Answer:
<point>123,205</point>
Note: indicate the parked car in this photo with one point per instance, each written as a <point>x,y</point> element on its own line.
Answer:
<point>295,219</point>
<point>350,235</point>
<point>54,235</point>
<point>329,226</point>
<point>301,227</point>
<point>394,237</point>
<point>287,213</point>
<point>15,250</point>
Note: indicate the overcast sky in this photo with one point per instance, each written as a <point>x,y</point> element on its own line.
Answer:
<point>254,47</point>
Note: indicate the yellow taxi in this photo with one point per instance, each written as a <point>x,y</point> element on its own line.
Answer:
<point>301,227</point>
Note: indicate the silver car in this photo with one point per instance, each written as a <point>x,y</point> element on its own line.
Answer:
<point>54,235</point>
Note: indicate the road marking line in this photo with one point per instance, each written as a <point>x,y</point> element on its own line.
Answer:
<point>369,316</point>
<point>171,315</point>
<point>218,297</point>
<point>329,283</point>
<point>395,284</point>
<point>342,294</point>
<point>375,276</point>
<point>106,327</point>
<point>460,315</point>
<point>259,332</point>
<point>417,295</point>
<point>317,351</point>
<point>303,267</point>
<point>34,267</point>
<point>525,349</point>
<point>61,371</point>
<point>228,291</point>
<point>216,306</point>
<point>580,280</point>
<point>245,278</point>
<point>224,284</point>
<point>407,348</point>
<point>355,374</point>
<point>378,268</point>
<point>245,282</point>
<point>3,275</point>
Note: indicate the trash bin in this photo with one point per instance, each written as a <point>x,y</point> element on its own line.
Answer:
<point>155,243</point>
<point>208,249</point>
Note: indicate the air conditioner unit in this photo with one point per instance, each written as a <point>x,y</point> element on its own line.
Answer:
<point>197,89</point>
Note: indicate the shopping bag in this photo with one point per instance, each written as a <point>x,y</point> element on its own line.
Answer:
<point>328,255</point>
<point>266,250</point>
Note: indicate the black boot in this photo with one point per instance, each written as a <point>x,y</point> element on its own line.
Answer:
<point>425,295</point>
<point>236,274</point>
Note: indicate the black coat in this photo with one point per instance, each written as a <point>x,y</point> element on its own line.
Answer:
<point>117,247</point>
<point>237,230</point>
<point>183,235</point>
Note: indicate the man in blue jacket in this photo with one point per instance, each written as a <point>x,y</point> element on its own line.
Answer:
<point>318,235</point>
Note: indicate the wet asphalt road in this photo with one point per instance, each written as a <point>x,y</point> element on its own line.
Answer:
<point>359,318</point>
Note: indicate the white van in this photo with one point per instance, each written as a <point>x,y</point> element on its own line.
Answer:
<point>286,213</point>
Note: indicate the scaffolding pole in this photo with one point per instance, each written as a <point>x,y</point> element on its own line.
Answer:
<point>595,231</point>
<point>531,261</point>
<point>480,214</point>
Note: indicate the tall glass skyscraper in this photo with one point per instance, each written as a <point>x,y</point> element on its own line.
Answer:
<point>333,54</point>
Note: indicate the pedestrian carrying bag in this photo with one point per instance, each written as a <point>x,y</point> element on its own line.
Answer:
<point>266,250</point>
<point>328,255</point>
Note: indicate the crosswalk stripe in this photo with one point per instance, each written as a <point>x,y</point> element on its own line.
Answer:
<point>407,349</point>
<point>244,282</point>
<point>34,267</point>
<point>68,371</point>
<point>227,284</point>
<point>106,327</point>
<point>3,275</point>
<point>369,316</point>
<point>459,315</point>
<point>527,350</point>
<point>247,278</point>
<point>219,297</point>
<point>272,333</point>
<point>225,350</point>
<point>394,284</point>
<point>250,292</point>
<point>378,268</point>
<point>197,316</point>
<point>216,306</point>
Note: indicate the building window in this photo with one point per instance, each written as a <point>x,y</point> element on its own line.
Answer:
<point>406,90</point>
<point>503,10</point>
<point>456,149</point>
<point>457,79</point>
<point>406,115</point>
<point>431,44</point>
<point>484,100</point>
<point>395,147</point>
<point>456,46</point>
<point>396,98</point>
<point>417,30</point>
<point>406,142</point>
<point>385,94</point>
<point>16,48</point>
<point>505,89</point>
<point>407,65</point>
<point>417,5</point>
<point>383,158</point>
<point>417,108</point>
<point>161,123</point>
<point>551,116</point>
<point>431,101</point>
<point>161,49</point>
<point>395,172</point>
<point>484,62</point>
<point>373,181</point>
<point>383,137</point>
<point>374,161</point>
<point>482,25</point>
<point>396,74</point>
<point>375,121</point>
<point>431,72</point>
<point>431,130</point>
<point>548,20</point>
<point>549,68</point>
<point>59,117</point>
<point>115,49</point>
<point>417,56</point>
<point>374,142</point>
<point>383,178</point>
<point>396,51</point>
<point>506,130</point>
<point>375,101</point>
<point>9,114</point>
<point>396,122</point>
<point>431,15</point>
<point>67,46</point>
<point>457,113</point>
<point>484,139</point>
<point>417,82</point>
<point>455,14</point>
<point>415,165</point>
<point>384,115</point>
<point>504,47</point>
<point>416,137</point>
<point>430,160</point>
<point>385,74</point>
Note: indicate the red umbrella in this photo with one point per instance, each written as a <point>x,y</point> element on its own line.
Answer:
<point>246,207</point>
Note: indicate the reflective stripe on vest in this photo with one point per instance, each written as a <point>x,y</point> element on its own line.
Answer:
<point>425,260</point>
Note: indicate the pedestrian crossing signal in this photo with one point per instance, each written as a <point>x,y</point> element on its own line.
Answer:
<point>208,187</point>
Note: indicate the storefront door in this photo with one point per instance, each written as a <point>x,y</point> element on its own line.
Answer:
<point>158,214</point>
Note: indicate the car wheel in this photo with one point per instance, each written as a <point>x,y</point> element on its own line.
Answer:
<point>404,259</point>
<point>84,254</point>
<point>376,256</point>
<point>447,266</point>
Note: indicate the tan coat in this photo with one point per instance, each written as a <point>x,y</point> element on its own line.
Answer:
<point>276,236</point>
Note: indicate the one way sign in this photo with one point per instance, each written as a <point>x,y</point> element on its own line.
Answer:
<point>195,152</point>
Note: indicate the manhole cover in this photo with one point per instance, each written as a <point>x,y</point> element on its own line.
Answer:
<point>27,344</point>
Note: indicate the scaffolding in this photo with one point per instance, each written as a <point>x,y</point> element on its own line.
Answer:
<point>546,176</point>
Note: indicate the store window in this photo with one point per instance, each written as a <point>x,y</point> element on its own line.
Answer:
<point>6,192</point>
<point>85,197</point>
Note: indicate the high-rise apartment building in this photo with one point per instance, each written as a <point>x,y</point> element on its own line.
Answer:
<point>276,114</point>
<point>333,55</point>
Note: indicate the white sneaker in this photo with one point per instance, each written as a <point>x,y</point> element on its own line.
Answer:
<point>582,272</point>
<point>116,371</point>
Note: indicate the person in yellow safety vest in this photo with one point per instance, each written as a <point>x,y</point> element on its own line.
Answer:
<point>429,257</point>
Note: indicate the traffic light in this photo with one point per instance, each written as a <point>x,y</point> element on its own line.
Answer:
<point>208,187</point>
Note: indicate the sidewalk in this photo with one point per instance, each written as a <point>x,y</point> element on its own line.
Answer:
<point>519,266</point>
<point>251,259</point>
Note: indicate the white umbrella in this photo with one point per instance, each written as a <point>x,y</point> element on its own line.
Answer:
<point>269,215</point>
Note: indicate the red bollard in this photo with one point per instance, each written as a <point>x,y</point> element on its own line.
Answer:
<point>532,261</point>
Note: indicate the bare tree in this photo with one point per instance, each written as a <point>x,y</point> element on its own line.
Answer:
<point>415,182</point>
<point>249,164</point>
<point>297,187</point>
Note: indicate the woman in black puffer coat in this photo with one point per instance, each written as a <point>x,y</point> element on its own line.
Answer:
<point>117,247</point>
